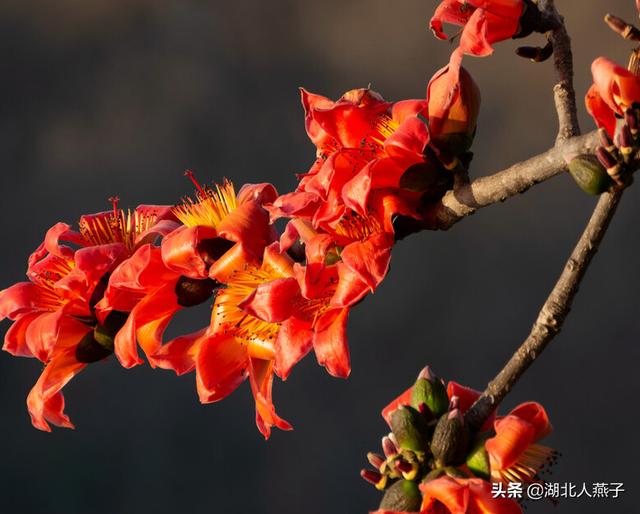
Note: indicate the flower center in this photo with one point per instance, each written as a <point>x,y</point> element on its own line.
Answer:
<point>210,206</point>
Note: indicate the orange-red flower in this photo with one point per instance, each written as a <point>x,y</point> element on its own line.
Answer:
<point>483,22</point>
<point>363,144</point>
<point>513,453</point>
<point>54,313</point>
<point>264,320</point>
<point>614,90</point>
<point>220,232</point>
<point>448,495</point>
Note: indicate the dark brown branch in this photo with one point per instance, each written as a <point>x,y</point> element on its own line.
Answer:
<point>552,315</point>
<point>482,192</point>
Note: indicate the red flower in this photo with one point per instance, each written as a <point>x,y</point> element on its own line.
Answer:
<point>363,144</point>
<point>264,320</point>
<point>483,22</point>
<point>513,454</point>
<point>448,495</point>
<point>220,233</point>
<point>54,313</point>
<point>614,90</point>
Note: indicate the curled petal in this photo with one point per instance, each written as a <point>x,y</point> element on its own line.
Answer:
<point>273,301</point>
<point>261,379</point>
<point>446,491</point>
<point>369,259</point>
<point>15,340</point>
<point>604,116</point>
<point>535,414</point>
<point>294,341</point>
<point>180,353</point>
<point>45,402</point>
<point>618,87</point>
<point>20,298</point>
<point>513,436</point>
<point>52,330</point>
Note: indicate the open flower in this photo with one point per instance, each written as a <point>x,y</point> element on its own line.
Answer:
<point>614,90</point>
<point>54,313</point>
<point>220,232</point>
<point>483,22</point>
<point>513,453</point>
<point>264,320</point>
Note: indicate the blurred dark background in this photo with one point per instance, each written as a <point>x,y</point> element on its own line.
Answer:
<point>102,97</point>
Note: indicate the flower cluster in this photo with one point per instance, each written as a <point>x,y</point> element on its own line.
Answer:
<point>434,464</point>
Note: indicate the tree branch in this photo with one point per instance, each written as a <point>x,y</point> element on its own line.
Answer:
<point>552,315</point>
<point>564,93</point>
<point>484,191</point>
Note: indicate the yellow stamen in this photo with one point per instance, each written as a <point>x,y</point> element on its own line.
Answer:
<point>356,228</point>
<point>210,207</point>
<point>117,227</point>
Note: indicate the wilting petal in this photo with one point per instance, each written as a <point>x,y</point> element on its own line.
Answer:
<point>261,379</point>
<point>330,342</point>
<point>179,354</point>
<point>294,341</point>
<point>45,402</point>
<point>273,301</point>
<point>222,364</point>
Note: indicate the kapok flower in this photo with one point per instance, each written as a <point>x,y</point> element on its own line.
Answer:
<point>615,89</point>
<point>483,22</point>
<point>514,455</point>
<point>220,232</point>
<point>54,313</point>
<point>454,105</point>
<point>363,144</point>
<point>447,495</point>
<point>264,320</point>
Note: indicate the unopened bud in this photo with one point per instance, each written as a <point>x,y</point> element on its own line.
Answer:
<point>388,447</point>
<point>409,428</point>
<point>450,439</point>
<point>631,119</point>
<point>535,53</point>
<point>402,496</point>
<point>605,158</point>
<point>589,174</point>
<point>375,460</point>
<point>430,391</point>
<point>621,27</point>
<point>605,138</point>
<point>375,478</point>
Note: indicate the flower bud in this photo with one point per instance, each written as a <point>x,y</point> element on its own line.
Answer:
<point>409,428</point>
<point>478,460</point>
<point>589,174</point>
<point>402,496</point>
<point>450,439</point>
<point>454,105</point>
<point>432,393</point>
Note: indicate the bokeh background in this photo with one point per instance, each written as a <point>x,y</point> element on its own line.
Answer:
<point>102,97</point>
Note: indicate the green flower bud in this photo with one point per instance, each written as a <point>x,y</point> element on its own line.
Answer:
<point>432,393</point>
<point>589,174</point>
<point>402,496</point>
<point>409,428</point>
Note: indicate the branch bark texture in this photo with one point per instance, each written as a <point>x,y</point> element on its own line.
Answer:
<point>551,316</point>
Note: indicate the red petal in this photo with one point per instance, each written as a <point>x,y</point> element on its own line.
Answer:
<point>513,436</point>
<point>466,398</point>
<point>294,341</point>
<point>180,251</point>
<point>15,341</point>
<point>45,402</point>
<point>603,115</point>
<point>273,301</point>
<point>369,259</point>
<point>452,493</point>
<point>19,299</point>
<point>535,414</point>
<point>330,342</point>
<point>179,354</point>
<point>221,366</point>
<point>483,500</point>
<point>261,379</point>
